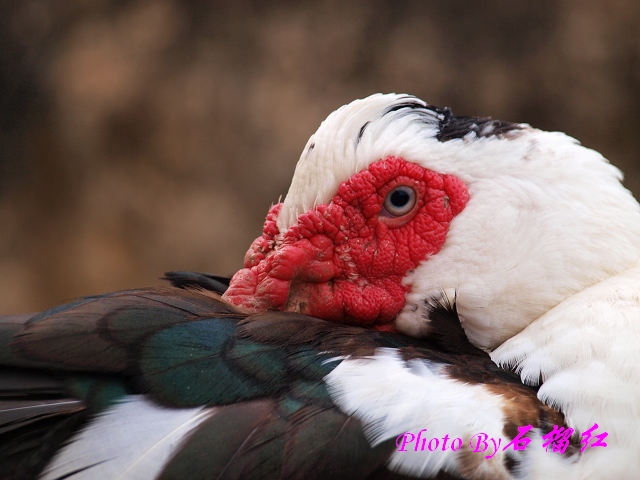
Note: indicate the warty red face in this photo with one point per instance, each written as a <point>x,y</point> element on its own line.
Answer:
<point>345,261</point>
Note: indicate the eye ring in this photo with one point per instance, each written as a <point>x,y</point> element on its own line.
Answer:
<point>400,201</point>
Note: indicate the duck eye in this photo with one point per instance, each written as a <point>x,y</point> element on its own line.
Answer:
<point>400,201</point>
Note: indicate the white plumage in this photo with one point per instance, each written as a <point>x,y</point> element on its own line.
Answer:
<point>131,441</point>
<point>457,410</point>
<point>544,261</point>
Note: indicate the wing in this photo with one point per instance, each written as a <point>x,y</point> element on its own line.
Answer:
<point>175,383</point>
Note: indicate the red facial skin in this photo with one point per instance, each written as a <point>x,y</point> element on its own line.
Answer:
<point>344,261</point>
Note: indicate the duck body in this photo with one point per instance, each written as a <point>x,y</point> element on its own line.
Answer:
<point>427,277</point>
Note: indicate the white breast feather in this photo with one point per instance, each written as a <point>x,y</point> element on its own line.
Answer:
<point>586,352</point>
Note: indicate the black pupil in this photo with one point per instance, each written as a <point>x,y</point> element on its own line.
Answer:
<point>400,198</point>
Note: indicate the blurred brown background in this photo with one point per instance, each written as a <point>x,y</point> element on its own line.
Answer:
<point>143,136</point>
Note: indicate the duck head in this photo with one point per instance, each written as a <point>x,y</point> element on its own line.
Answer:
<point>395,201</point>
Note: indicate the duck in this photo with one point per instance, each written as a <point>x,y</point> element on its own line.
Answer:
<point>437,296</point>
